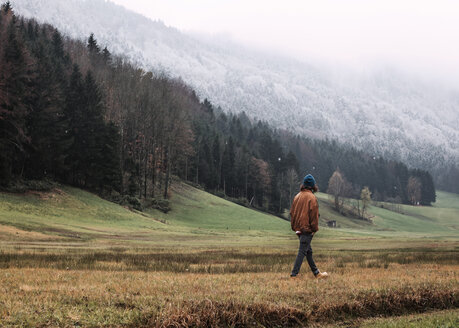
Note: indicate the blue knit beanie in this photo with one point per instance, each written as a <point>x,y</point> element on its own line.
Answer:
<point>309,181</point>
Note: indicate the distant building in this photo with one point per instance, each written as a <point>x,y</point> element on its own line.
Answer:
<point>331,224</point>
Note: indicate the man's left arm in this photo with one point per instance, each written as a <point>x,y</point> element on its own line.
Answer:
<point>314,216</point>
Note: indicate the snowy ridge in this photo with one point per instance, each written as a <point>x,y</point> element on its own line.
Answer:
<point>385,112</point>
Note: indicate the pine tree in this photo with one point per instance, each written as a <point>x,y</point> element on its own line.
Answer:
<point>6,7</point>
<point>292,162</point>
<point>94,131</point>
<point>216,156</point>
<point>31,31</point>
<point>92,45</point>
<point>57,46</point>
<point>205,165</point>
<point>110,170</point>
<point>76,160</point>
<point>227,174</point>
<point>106,56</point>
<point>428,194</point>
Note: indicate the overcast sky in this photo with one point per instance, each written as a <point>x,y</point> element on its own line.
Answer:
<point>421,35</point>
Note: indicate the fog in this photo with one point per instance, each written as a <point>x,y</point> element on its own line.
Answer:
<point>416,35</point>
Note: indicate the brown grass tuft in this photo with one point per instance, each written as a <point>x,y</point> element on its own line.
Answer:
<point>389,303</point>
<point>209,313</point>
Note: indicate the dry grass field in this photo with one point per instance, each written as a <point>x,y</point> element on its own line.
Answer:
<point>79,261</point>
<point>250,287</point>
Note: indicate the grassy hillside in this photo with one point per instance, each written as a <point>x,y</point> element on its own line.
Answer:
<point>76,217</point>
<point>70,213</point>
<point>80,219</point>
<point>194,208</point>
<point>447,200</point>
<point>440,220</point>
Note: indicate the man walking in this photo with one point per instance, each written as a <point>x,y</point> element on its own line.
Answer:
<point>304,215</point>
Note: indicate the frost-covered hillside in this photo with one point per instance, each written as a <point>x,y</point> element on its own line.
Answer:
<point>384,112</point>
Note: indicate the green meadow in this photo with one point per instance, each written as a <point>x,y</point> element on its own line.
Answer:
<point>75,217</point>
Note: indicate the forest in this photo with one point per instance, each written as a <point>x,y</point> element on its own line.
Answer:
<point>72,112</point>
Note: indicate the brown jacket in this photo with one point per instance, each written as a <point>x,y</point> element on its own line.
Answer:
<point>304,213</point>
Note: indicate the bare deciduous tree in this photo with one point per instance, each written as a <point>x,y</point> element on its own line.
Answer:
<point>338,187</point>
<point>414,190</point>
<point>365,197</point>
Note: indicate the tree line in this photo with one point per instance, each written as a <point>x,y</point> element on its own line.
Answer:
<point>280,159</point>
<point>70,111</point>
<point>388,180</point>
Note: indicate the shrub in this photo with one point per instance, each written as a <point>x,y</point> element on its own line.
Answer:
<point>220,194</point>
<point>241,201</point>
<point>132,202</point>
<point>21,186</point>
<point>194,184</point>
<point>162,205</point>
<point>113,196</point>
<point>41,185</point>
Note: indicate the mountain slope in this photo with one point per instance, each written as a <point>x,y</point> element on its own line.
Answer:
<point>384,112</point>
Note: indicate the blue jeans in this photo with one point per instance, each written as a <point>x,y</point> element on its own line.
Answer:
<point>304,250</point>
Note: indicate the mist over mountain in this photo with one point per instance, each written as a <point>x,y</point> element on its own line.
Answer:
<point>383,112</point>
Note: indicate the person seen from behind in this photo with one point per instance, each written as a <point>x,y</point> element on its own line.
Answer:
<point>304,215</point>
